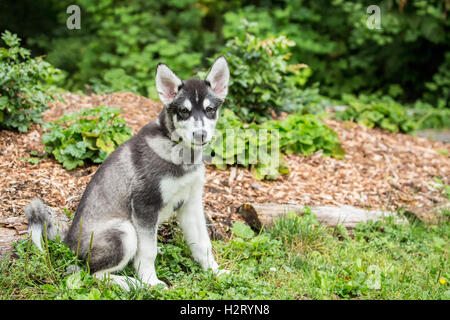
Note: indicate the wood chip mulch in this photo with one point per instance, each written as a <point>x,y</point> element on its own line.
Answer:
<point>381,170</point>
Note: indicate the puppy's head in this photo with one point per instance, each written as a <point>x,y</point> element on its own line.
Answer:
<point>192,105</point>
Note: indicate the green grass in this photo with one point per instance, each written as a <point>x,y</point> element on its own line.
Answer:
<point>297,258</point>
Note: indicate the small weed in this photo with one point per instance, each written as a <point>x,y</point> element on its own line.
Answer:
<point>33,161</point>
<point>68,213</point>
<point>442,186</point>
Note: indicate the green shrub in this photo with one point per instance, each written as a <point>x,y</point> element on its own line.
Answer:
<point>90,135</point>
<point>331,37</point>
<point>306,134</point>
<point>120,43</point>
<point>428,117</point>
<point>23,85</point>
<point>260,147</point>
<point>261,77</point>
<point>438,90</point>
<point>238,143</point>
<point>346,56</point>
<point>372,111</point>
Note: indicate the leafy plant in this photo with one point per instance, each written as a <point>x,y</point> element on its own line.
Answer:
<point>428,117</point>
<point>306,134</point>
<point>114,50</point>
<point>260,147</point>
<point>442,186</point>
<point>438,90</point>
<point>23,85</point>
<point>242,230</point>
<point>372,111</point>
<point>88,135</point>
<point>261,79</point>
<point>33,161</point>
<point>332,37</point>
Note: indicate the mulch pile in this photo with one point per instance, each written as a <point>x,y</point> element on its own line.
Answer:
<point>381,170</point>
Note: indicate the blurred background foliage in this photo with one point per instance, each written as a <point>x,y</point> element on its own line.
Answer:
<point>120,42</point>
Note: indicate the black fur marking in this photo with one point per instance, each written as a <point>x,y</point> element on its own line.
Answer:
<point>107,252</point>
<point>196,91</point>
<point>178,205</point>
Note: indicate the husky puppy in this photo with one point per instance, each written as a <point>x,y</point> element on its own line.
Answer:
<point>144,182</point>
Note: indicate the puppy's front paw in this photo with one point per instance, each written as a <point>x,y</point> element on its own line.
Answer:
<point>164,285</point>
<point>157,282</point>
<point>222,272</point>
<point>152,280</point>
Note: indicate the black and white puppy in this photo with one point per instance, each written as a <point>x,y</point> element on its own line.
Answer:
<point>144,182</point>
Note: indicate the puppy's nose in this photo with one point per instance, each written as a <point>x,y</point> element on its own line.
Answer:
<point>199,136</point>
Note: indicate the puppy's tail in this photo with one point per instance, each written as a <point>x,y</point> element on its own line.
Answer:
<point>40,220</point>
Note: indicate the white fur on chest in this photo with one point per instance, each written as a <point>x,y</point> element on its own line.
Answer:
<point>176,190</point>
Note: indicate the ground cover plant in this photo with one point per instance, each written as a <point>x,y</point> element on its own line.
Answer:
<point>88,136</point>
<point>386,113</point>
<point>372,111</point>
<point>295,258</point>
<point>427,117</point>
<point>261,146</point>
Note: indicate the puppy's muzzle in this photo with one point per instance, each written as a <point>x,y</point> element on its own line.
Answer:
<point>199,137</point>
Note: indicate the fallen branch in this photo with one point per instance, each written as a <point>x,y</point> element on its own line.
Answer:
<point>259,215</point>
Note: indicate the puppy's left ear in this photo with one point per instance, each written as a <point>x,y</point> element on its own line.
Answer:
<point>218,77</point>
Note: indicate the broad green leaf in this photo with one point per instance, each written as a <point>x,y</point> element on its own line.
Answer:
<point>242,230</point>
<point>71,164</point>
<point>105,144</point>
<point>120,138</point>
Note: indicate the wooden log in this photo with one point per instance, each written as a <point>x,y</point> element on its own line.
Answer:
<point>258,215</point>
<point>429,214</point>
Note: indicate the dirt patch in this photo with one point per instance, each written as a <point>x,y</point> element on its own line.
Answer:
<point>381,170</point>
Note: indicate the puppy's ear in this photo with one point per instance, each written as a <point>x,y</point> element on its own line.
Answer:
<point>218,77</point>
<point>167,84</point>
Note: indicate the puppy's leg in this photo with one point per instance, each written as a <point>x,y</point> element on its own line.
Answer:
<point>112,249</point>
<point>144,262</point>
<point>193,224</point>
<point>147,231</point>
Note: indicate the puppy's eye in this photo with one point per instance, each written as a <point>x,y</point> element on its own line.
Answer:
<point>184,111</point>
<point>209,109</point>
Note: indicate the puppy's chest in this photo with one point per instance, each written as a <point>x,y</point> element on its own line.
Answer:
<point>178,191</point>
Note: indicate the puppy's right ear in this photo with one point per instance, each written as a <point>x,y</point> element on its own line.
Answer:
<point>167,83</point>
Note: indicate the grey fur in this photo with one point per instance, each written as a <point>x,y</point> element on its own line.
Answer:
<point>123,202</point>
<point>38,214</point>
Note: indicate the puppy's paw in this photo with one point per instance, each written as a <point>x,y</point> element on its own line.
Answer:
<point>152,281</point>
<point>158,282</point>
<point>222,272</point>
<point>162,284</point>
